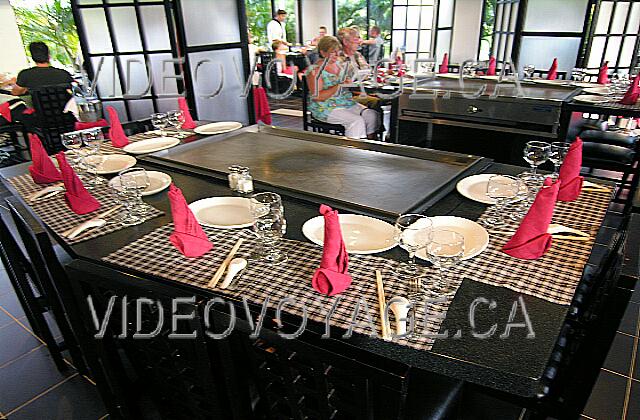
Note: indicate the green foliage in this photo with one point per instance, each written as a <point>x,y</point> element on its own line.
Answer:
<point>354,12</point>
<point>53,24</point>
<point>258,16</point>
<point>488,21</point>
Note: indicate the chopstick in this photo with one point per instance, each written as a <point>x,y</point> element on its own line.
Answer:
<point>218,274</point>
<point>382,304</point>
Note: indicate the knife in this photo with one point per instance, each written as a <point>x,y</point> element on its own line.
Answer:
<point>97,221</point>
<point>46,192</point>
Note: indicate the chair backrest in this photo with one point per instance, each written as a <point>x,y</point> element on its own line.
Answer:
<point>305,104</point>
<point>51,121</point>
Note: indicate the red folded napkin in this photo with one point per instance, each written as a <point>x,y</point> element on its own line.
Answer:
<point>187,235</point>
<point>570,173</point>
<point>603,74</point>
<point>553,71</point>
<point>77,197</point>
<point>42,169</point>
<point>261,105</point>
<point>491,71</point>
<point>5,111</point>
<point>444,67</point>
<point>332,278</point>
<point>116,133</point>
<point>84,125</point>
<point>189,124</point>
<point>532,240</point>
<point>631,97</point>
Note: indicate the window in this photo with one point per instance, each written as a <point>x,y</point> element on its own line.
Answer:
<point>413,24</point>
<point>291,7</point>
<point>486,29</point>
<point>352,13</point>
<point>258,16</point>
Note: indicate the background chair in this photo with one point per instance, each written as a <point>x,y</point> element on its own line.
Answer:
<point>49,122</point>
<point>317,126</point>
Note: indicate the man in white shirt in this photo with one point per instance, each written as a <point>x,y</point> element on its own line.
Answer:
<point>276,29</point>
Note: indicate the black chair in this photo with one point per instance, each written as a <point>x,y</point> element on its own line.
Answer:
<point>49,121</point>
<point>272,81</point>
<point>17,152</point>
<point>317,126</point>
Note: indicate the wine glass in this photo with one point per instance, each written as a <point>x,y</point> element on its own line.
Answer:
<point>269,225</point>
<point>528,71</point>
<point>502,189</point>
<point>578,74</point>
<point>557,154</point>
<point>176,120</point>
<point>125,191</point>
<point>160,121</point>
<point>73,142</point>
<point>137,179</point>
<point>93,139</point>
<point>445,250</point>
<point>413,233</point>
<point>536,153</point>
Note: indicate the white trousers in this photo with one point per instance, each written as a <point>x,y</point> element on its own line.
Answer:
<point>358,121</point>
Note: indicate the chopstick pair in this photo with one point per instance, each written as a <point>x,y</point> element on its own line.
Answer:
<point>102,215</point>
<point>382,303</point>
<point>223,267</point>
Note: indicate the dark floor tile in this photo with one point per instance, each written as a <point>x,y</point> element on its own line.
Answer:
<point>633,409</point>
<point>607,397</point>
<point>5,319</point>
<point>75,399</point>
<point>629,320</point>
<point>12,305</point>
<point>5,284</point>
<point>27,377</point>
<point>15,341</point>
<point>619,356</point>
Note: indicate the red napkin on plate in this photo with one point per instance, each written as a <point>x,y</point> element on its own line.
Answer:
<point>261,105</point>
<point>444,67</point>
<point>188,235</point>
<point>116,133</point>
<point>553,71</point>
<point>42,169</point>
<point>5,111</point>
<point>532,240</point>
<point>491,71</point>
<point>332,278</point>
<point>77,197</point>
<point>570,173</point>
<point>189,124</point>
<point>603,76</point>
<point>631,97</point>
<point>84,125</point>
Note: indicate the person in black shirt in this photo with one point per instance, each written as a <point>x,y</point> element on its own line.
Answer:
<point>42,74</point>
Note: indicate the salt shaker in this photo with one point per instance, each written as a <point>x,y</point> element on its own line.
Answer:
<point>234,174</point>
<point>245,181</point>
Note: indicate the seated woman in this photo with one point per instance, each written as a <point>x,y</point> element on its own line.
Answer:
<point>328,103</point>
<point>280,49</point>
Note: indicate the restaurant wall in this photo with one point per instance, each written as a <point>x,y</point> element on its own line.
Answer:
<point>466,30</point>
<point>316,13</point>
<point>14,57</point>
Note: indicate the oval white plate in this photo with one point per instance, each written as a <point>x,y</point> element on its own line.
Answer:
<point>158,181</point>
<point>474,187</point>
<point>112,164</point>
<point>218,127</point>
<point>600,90</point>
<point>151,145</point>
<point>476,238</point>
<point>223,212</point>
<point>361,234</point>
<point>590,99</point>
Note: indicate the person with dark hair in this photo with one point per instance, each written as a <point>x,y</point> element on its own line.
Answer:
<point>276,30</point>
<point>42,74</point>
<point>375,44</point>
<point>322,31</point>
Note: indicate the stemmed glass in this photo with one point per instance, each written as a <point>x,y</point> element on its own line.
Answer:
<point>502,189</point>
<point>93,140</point>
<point>160,120</point>
<point>137,179</point>
<point>528,71</point>
<point>445,250</point>
<point>73,142</point>
<point>269,225</point>
<point>413,233</point>
<point>125,191</point>
<point>176,120</point>
<point>558,152</point>
<point>536,153</point>
<point>578,74</point>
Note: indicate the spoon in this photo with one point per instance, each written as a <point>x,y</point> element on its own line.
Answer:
<point>400,307</point>
<point>235,266</point>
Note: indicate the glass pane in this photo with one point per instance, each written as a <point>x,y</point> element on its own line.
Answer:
<point>125,26</point>
<point>136,78</point>
<point>443,43</point>
<point>634,19</point>
<point>426,20</point>
<point>169,85</point>
<point>397,40</point>
<point>619,18</point>
<point>418,2</point>
<point>602,25</point>
<point>351,13</point>
<point>119,1</point>
<point>412,41</point>
<point>291,24</point>
<point>399,17</point>
<point>613,48</point>
<point>108,81</point>
<point>95,27</point>
<point>498,20</point>
<point>555,16</point>
<point>508,48</point>
<point>627,51</point>
<point>445,16</point>
<point>425,41</point>
<point>400,2</point>
<point>81,2</point>
<point>514,17</point>
<point>258,16</point>
<point>140,109</point>
<point>156,32</point>
<point>208,24</point>
<point>167,104</point>
<point>501,44</point>
<point>120,108</point>
<point>413,17</point>
<point>379,15</point>
<point>597,49</point>
<point>540,52</point>
<point>228,105</point>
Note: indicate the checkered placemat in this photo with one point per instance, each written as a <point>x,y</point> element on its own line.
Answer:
<point>55,213</point>
<point>154,254</point>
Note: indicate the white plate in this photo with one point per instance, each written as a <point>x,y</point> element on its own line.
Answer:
<point>590,99</point>
<point>218,127</point>
<point>600,90</point>
<point>112,164</point>
<point>151,145</point>
<point>361,234</point>
<point>557,82</point>
<point>476,238</point>
<point>223,212</point>
<point>158,181</point>
<point>474,187</point>
<point>451,75</point>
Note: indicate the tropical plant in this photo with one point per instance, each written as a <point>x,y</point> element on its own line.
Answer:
<point>52,23</point>
<point>488,23</point>
<point>258,16</point>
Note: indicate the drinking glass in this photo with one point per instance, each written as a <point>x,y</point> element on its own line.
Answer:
<point>269,225</point>
<point>126,193</point>
<point>445,250</point>
<point>137,179</point>
<point>73,142</point>
<point>93,139</point>
<point>176,120</point>
<point>578,74</point>
<point>160,120</point>
<point>502,189</point>
<point>413,233</point>
<point>557,154</point>
<point>536,153</point>
<point>528,71</point>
